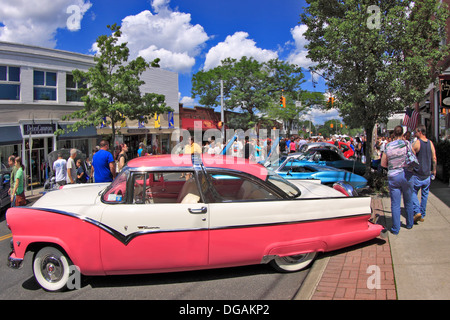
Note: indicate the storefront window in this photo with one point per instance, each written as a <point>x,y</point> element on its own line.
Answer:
<point>5,152</point>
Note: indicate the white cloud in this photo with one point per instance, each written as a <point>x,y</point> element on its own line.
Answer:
<point>319,116</point>
<point>180,62</point>
<point>237,46</point>
<point>298,56</point>
<point>188,102</point>
<point>35,22</point>
<point>166,34</point>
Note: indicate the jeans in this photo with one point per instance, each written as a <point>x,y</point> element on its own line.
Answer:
<point>401,184</point>
<point>425,186</point>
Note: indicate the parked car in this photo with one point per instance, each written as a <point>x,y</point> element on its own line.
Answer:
<point>293,168</point>
<point>5,199</point>
<point>329,157</point>
<point>345,148</point>
<point>322,145</point>
<point>180,212</point>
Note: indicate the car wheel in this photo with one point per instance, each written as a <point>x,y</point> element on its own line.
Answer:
<point>293,263</point>
<point>51,269</point>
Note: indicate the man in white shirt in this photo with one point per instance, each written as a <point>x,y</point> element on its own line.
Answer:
<point>59,168</point>
<point>71,167</point>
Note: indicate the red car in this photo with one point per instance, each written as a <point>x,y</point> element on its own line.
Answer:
<point>345,148</point>
<point>173,213</point>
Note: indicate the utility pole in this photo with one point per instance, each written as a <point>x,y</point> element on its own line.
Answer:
<point>222,113</point>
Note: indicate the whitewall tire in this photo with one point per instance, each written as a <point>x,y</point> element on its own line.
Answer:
<point>293,263</point>
<point>51,269</point>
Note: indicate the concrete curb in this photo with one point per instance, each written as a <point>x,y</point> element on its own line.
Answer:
<point>312,279</point>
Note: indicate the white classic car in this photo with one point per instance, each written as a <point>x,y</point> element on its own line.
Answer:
<point>174,213</point>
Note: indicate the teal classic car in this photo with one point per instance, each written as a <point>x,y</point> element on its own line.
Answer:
<point>301,166</point>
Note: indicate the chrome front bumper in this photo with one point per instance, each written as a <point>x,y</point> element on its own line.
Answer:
<point>13,262</point>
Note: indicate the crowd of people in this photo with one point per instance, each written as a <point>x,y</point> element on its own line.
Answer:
<point>388,152</point>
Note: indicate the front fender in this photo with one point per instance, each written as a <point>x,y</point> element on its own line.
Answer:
<point>79,238</point>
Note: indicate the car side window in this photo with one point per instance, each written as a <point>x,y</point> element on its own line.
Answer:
<point>165,187</point>
<point>232,187</point>
<point>330,156</point>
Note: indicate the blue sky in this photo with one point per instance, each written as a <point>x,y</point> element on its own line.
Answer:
<point>187,35</point>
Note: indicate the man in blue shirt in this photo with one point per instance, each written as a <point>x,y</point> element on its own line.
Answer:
<point>103,164</point>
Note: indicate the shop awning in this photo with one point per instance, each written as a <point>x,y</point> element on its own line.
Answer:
<point>198,124</point>
<point>88,132</point>
<point>10,135</point>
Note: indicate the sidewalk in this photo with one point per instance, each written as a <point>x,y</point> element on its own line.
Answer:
<point>414,265</point>
<point>33,195</point>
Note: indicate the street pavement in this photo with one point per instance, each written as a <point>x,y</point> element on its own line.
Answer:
<point>413,265</point>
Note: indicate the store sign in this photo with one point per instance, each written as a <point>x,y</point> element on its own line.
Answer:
<point>445,93</point>
<point>41,128</point>
<point>138,131</point>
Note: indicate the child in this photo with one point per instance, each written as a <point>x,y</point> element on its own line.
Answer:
<point>81,174</point>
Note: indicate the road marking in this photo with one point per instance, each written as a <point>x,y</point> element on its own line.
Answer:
<point>5,237</point>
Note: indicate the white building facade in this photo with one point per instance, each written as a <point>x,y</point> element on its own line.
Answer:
<point>37,90</point>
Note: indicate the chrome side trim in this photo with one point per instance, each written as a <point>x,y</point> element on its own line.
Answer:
<point>125,239</point>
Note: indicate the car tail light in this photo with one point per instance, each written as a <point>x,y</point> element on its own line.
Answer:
<point>344,188</point>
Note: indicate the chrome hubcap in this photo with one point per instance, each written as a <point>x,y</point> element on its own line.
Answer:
<point>295,259</point>
<point>52,269</point>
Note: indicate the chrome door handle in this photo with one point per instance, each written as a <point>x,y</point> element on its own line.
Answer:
<point>197,211</point>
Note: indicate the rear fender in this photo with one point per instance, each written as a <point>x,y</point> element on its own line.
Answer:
<point>290,249</point>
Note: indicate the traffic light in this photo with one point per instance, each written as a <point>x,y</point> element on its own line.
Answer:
<point>282,102</point>
<point>330,101</point>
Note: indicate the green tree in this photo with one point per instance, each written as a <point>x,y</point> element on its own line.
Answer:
<point>286,79</point>
<point>243,83</point>
<point>250,86</point>
<point>309,128</point>
<point>112,90</point>
<point>377,56</point>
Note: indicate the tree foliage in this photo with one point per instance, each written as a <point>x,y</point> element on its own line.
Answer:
<point>250,86</point>
<point>112,92</point>
<point>377,57</point>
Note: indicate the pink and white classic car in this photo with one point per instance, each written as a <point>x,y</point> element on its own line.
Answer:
<point>174,213</point>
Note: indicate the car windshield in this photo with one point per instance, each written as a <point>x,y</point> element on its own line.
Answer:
<point>116,191</point>
<point>308,155</point>
<point>291,190</point>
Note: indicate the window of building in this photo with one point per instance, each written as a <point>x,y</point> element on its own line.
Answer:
<point>72,93</point>
<point>44,85</point>
<point>9,83</point>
